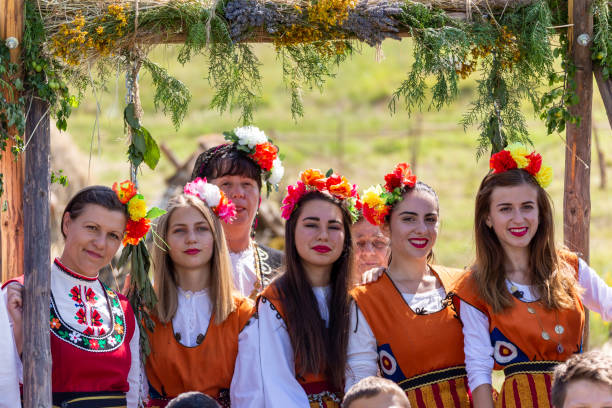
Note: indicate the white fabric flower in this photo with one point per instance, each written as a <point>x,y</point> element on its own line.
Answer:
<point>75,337</point>
<point>277,172</point>
<point>112,341</point>
<point>250,136</point>
<point>209,193</point>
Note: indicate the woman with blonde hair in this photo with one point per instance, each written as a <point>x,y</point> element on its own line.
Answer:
<point>199,319</point>
<point>522,303</point>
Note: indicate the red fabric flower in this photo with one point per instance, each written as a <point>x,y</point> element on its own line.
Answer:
<point>535,163</point>
<point>339,186</point>
<point>125,191</point>
<point>91,296</point>
<point>55,323</point>
<point>75,294</point>
<point>94,344</point>
<point>294,192</point>
<point>373,216</point>
<point>80,316</point>
<point>502,161</point>
<point>135,230</point>
<point>264,156</point>
<point>400,177</point>
<point>88,331</point>
<point>312,177</point>
<point>96,319</point>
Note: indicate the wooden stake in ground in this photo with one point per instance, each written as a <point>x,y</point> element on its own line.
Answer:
<point>36,343</point>
<point>577,197</point>
<point>11,204</point>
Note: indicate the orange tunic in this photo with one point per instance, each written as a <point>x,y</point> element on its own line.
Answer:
<point>422,353</point>
<point>519,348</point>
<point>320,392</point>
<point>173,368</point>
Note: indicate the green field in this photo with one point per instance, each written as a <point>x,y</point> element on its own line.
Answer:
<point>347,127</point>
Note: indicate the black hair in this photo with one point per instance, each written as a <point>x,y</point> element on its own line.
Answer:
<point>99,195</point>
<point>226,160</point>
<point>193,399</point>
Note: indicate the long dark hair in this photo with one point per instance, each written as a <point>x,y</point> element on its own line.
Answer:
<point>552,277</point>
<point>314,346</point>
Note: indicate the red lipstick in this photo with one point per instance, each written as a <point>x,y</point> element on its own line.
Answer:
<point>518,232</point>
<point>419,242</point>
<point>192,251</point>
<point>322,249</point>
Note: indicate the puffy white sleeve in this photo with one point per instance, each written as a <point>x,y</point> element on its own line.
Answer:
<point>476,345</point>
<point>136,377</point>
<point>280,387</point>
<point>9,361</point>
<point>597,294</point>
<point>246,389</point>
<point>362,357</point>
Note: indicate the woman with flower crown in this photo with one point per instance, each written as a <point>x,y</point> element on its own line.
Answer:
<point>403,323</point>
<point>239,168</point>
<point>94,335</point>
<point>200,320</point>
<point>303,314</point>
<point>522,303</point>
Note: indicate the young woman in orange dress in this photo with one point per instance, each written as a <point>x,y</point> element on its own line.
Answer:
<point>200,319</point>
<point>403,324</point>
<point>303,314</point>
<point>522,303</point>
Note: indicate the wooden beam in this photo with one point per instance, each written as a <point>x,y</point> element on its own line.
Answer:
<point>11,212</point>
<point>577,196</point>
<point>605,89</point>
<point>36,344</point>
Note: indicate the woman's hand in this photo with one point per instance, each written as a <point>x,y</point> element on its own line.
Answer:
<point>372,275</point>
<point>483,396</point>
<point>14,305</point>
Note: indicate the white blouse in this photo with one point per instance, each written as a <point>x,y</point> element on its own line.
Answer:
<point>83,304</point>
<point>479,361</point>
<point>277,367</point>
<point>192,316</point>
<point>362,354</point>
<point>245,274</point>
<point>10,366</point>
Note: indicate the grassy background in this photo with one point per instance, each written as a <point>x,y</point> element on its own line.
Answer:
<point>347,127</point>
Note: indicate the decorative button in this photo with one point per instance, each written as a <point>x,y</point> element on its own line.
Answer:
<point>531,310</point>
<point>559,329</point>
<point>560,348</point>
<point>545,335</point>
<point>177,336</point>
<point>200,338</point>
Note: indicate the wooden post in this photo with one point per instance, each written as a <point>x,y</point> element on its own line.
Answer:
<point>36,344</point>
<point>11,219</point>
<point>605,89</point>
<point>577,197</point>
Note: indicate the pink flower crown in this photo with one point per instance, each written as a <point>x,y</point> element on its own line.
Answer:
<point>332,184</point>
<point>213,197</point>
<point>516,156</point>
<point>377,202</point>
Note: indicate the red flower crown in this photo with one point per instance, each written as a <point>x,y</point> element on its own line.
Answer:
<point>517,156</point>
<point>333,184</point>
<point>377,203</point>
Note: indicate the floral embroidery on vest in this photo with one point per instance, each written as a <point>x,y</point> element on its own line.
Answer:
<point>87,341</point>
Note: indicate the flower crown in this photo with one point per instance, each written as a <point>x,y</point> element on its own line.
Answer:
<point>377,202</point>
<point>139,221</point>
<point>213,197</point>
<point>255,143</point>
<point>516,156</point>
<point>332,184</point>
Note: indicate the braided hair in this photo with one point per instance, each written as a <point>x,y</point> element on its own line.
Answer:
<point>226,160</point>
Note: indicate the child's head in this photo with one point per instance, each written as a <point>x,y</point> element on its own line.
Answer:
<point>190,236</point>
<point>375,392</point>
<point>193,400</point>
<point>585,380</point>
